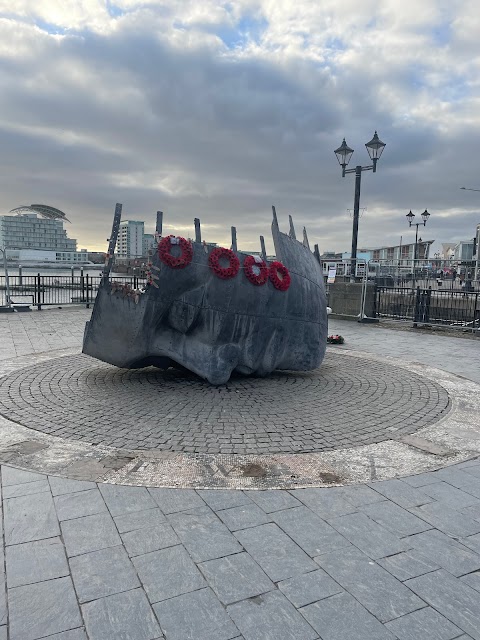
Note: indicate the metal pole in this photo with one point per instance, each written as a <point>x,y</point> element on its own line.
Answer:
<point>20,275</point>
<point>415,258</point>
<point>356,212</point>
<point>7,281</point>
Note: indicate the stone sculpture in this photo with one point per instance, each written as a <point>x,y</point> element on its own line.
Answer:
<point>214,311</point>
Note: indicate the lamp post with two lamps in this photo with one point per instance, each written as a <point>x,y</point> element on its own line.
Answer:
<point>410,216</point>
<point>375,148</point>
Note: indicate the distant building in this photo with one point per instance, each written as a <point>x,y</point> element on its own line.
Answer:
<point>402,254</point>
<point>30,231</point>
<point>41,256</point>
<point>464,250</point>
<point>148,243</point>
<point>130,239</point>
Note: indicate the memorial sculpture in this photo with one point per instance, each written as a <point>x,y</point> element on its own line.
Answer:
<point>214,310</point>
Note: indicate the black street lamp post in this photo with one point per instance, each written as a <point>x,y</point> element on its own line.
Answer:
<point>410,217</point>
<point>375,148</point>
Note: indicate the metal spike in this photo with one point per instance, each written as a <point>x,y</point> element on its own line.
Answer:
<point>275,219</point>
<point>159,225</point>
<point>316,253</point>
<point>113,240</point>
<point>305,239</point>
<point>292,229</point>
<point>198,232</point>
<point>263,250</point>
<point>234,239</point>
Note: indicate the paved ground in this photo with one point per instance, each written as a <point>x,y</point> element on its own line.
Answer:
<point>393,559</point>
<point>347,402</point>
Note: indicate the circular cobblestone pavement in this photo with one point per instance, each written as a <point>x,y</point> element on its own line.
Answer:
<point>347,402</point>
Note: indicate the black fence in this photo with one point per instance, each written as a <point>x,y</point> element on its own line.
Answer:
<point>429,306</point>
<point>53,290</point>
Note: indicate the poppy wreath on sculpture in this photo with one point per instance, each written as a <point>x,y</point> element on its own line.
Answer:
<point>225,273</point>
<point>256,270</point>
<point>175,262</point>
<point>279,275</point>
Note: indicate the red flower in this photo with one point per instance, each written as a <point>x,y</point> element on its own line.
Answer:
<point>173,262</point>
<point>255,278</point>
<point>280,276</point>
<point>224,273</point>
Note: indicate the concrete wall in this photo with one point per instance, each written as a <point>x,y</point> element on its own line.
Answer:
<point>345,299</point>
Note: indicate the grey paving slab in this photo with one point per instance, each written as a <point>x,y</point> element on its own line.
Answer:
<point>451,597</point>
<point>376,589</point>
<point>395,518</point>
<point>224,498</point>
<point>139,520</point>
<point>174,500</point>
<point>275,552</point>
<point>198,615</point>
<point>42,609</point>
<point>90,533</point>
<point>272,500</point>
<point>472,512</point>
<point>121,616</point>
<point>35,562</point>
<point>60,486</point>
<point>103,573</point>
<point>473,470</point>
<point>248,515</point>
<point>443,550</point>
<point>401,493</point>
<point>122,499</point>
<point>235,578</point>
<point>327,503</point>
<point>74,634</point>
<point>425,624</point>
<point>203,534</point>
<point>11,475</point>
<point>29,518</point>
<point>361,495</point>
<point>473,580</point>
<point>455,600</point>
<point>448,520</point>
<point>309,531</point>
<point>26,488</point>
<point>472,542</point>
<point>421,479</point>
<point>338,617</point>
<point>3,600</point>
<point>3,633</point>
<point>409,564</point>
<point>168,573</point>
<point>371,538</point>
<point>81,503</point>
<point>148,539</point>
<point>449,495</point>
<point>270,617</point>
<point>309,587</point>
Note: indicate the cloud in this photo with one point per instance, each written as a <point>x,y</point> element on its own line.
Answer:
<point>219,109</point>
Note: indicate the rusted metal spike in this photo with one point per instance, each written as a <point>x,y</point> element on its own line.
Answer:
<point>316,253</point>
<point>159,225</point>
<point>292,229</point>
<point>263,250</point>
<point>305,239</point>
<point>234,239</point>
<point>198,232</point>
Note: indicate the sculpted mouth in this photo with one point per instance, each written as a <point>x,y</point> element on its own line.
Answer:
<point>214,310</point>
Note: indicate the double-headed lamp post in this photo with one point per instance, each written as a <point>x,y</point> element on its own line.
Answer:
<point>410,216</point>
<point>375,148</point>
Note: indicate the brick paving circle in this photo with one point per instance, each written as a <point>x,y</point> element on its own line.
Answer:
<point>347,402</point>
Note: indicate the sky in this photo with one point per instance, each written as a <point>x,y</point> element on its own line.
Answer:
<point>217,110</point>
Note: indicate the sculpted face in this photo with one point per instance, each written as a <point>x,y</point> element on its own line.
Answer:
<point>214,326</point>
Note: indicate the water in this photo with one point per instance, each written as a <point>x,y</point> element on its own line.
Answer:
<point>65,271</point>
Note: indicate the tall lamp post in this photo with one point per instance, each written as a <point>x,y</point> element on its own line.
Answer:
<point>8,299</point>
<point>375,148</point>
<point>410,216</point>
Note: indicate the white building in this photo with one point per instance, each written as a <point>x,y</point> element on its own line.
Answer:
<point>130,239</point>
<point>39,256</point>
<point>31,231</point>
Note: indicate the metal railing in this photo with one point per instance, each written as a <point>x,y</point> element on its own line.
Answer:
<point>54,290</point>
<point>458,309</point>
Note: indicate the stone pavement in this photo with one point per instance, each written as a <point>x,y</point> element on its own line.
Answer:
<point>392,559</point>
